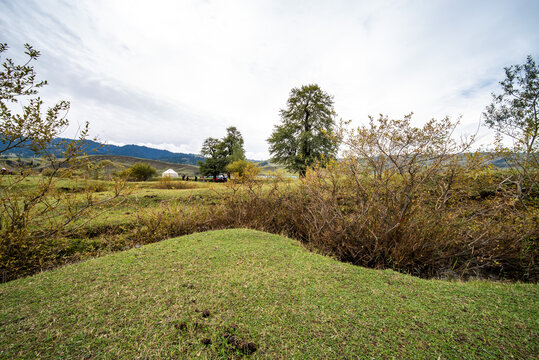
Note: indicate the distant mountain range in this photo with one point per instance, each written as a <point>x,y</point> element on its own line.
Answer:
<point>95,148</point>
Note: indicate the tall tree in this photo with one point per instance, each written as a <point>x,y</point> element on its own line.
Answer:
<point>302,139</point>
<point>232,142</point>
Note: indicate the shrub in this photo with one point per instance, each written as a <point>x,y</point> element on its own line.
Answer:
<point>169,183</point>
<point>243,169</point>
<point>466,236</point>
<point>170,220</point>
<point>402,198</point>
<point>141,171</point>
<point>33,218</point>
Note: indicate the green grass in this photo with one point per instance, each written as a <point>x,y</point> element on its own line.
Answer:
<point>149,302</point>
<point>143,196</point>
<point>139,195</point>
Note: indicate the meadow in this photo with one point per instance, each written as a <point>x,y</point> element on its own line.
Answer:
<point>184,269</point>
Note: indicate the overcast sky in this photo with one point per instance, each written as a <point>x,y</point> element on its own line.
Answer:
<point>169,74</point>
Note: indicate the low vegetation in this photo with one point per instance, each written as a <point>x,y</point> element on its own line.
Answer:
<point>168,182</point>
<point>236,293</point>
<point>140,172</point>
<point>479,232</point>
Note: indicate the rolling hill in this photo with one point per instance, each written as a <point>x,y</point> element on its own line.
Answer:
<point>160,166</point>
<point>226,294</point>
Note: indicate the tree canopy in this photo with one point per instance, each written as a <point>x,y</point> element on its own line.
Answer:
<point>514,111</point>
<point>28,129</point>
<point>32,217</point>
<point>243,168</point>
<point>220,153</point>
<point>232,145</point>
<point>303,137</point>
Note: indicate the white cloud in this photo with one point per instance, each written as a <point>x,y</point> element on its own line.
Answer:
<point>172,73</point>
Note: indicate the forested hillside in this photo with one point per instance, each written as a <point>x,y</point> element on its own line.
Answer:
<point>95,148</point>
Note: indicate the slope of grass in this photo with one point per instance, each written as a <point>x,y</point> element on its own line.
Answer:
<point>128,161</point>
<point>211,294</point>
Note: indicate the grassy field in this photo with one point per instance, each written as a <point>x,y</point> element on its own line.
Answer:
<point>108,226</point>
<point>138,195</point>
<point>231,293</point>
<point>146,195</point>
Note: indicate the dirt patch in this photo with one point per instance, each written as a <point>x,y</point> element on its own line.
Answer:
<point>236,343</point>
<point>182,326</point>
<point>242,345</point>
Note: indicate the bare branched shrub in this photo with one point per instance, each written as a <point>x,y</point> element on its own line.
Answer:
<point>32,216</point>
<point>253,203</point>
<point>402,197</point>
<point>170,220</point>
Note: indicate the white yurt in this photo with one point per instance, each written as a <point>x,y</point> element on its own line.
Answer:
<point>170,173</point>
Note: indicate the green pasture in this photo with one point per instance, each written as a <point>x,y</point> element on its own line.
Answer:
<point>223,294</point>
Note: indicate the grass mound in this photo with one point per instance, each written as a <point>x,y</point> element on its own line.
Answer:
<point>237,293</point>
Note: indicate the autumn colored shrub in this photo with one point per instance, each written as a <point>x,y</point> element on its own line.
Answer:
<point>167,182</point>
<point>405,198</point>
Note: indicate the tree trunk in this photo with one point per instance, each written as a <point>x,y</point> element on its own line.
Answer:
<point>305,145</point>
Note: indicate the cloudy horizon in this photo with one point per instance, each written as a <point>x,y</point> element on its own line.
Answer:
<point>169,74</point>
